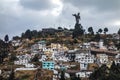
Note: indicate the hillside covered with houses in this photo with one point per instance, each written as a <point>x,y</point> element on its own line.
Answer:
<point>59,56</point>
<point>59,39</point>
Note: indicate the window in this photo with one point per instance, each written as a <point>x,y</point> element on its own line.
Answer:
<point>48,65</point>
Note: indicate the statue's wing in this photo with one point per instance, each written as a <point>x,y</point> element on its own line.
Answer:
<point>74,14</point>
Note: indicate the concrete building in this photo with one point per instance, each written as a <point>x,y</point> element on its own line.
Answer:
<point>103,58</point>
<point>83,66</point>
<point>101,45</point>
<point>84,58</point>
<point>42,45</point>
<point>117,59</point>
<point>84,74</point>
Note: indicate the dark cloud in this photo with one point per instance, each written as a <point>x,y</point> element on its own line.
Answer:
<point>16,16</point>
<point>99,5</point>
<point>37,4</point>
<point>96,12</point>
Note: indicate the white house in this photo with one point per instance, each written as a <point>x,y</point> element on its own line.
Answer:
<point>55,75</point>
<point>57,66</point>
<point>84,58</point>
<point>112,48</point>
<point>101,45</point>
<point>43,58</point>
<point>86,45</point>
<point>29,65</point>
<point>58,47</point>
<point>117,59</point>
<point>83,74</point>
<point>102,58</point>
<point>41,44</point>
<point>63,59</point>
<point>83,66</point>
<point>22,59</point>
<point>21,62</point>
<point>16,43</point>
<point>34,47</point>
<point>71,55</point>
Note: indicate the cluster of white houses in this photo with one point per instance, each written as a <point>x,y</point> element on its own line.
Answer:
<point>53,56</point>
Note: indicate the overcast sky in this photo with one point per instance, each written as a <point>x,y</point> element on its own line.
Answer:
<point>16,16</point>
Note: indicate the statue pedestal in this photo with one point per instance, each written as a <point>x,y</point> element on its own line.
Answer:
<point>78,31</point>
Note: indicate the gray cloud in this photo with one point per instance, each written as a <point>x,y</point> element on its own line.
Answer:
<point>97,13</point>
<point>102,8</point>
<point>18,15</point>
<point>99,5</point>
<point>37,4</point>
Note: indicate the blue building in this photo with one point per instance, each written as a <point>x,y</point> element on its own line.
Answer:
<point>48,65</point>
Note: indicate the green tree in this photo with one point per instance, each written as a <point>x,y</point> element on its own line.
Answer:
<point>16,38</point>
<point>60,28</point>
<point>6,46</point>
<point>12,75</point>
<point>28,34</point>
<point>65,29</point>
<point>118,44</point>
<point>62,76</point>
<point>23,35</point>
<point>90,30</point>
<point>1,77</point>
<point>13,57</point>
<point>114,73</point>
<point>105,30</point>
<point>35,58</point>
<point>75,40</point>
<point>34,34</point>
<point>100,30</point>
<point>6,38</point>
<point>104,73</point>
<point>100,73</point>
<point>2,51</point>
<point>39,34</point>
<point>78,77</point>
<point>97,37</point>
<point>119,31</point>
<point>113,66</point>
